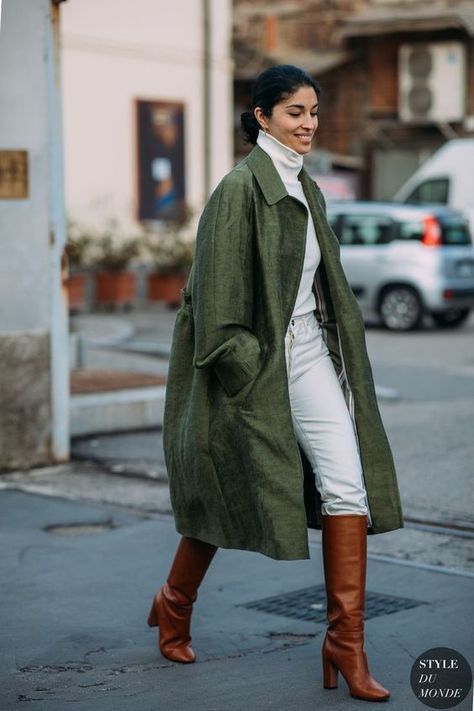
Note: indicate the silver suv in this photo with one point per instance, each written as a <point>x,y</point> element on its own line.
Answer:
<point>403,261</point>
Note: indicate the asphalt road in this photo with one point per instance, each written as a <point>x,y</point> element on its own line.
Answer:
<point>86,544</point>
<point>77,582</point>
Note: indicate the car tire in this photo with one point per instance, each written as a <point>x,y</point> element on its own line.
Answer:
<point>400,308</point>
<point>451,319</point>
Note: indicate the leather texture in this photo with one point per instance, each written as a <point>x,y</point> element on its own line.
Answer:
<point>172,605</point>
<point>345,563</point>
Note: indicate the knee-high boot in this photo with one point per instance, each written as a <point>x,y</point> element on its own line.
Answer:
<point>172,605</point>
<point>345,562</point>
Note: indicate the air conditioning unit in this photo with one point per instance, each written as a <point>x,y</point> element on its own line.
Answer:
<point>432,81</point>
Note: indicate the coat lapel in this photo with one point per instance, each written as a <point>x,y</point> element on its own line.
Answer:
<point>286,221</point>
<point>266,175</point>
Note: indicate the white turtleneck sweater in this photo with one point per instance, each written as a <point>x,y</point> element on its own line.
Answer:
<point>288,164</point>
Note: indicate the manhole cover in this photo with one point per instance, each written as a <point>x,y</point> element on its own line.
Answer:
<point>310,604</point>
<point>79,529</point>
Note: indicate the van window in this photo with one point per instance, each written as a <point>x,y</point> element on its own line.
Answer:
<point>435,190</point>
<point>366,230</point>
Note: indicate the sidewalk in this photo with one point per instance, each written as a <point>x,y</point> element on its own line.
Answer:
<point>74,609</point>
<point>118,366</point>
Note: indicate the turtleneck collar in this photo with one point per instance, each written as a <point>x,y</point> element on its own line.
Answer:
<point>287,161</point>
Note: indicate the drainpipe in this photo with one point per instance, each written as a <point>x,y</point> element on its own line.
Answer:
<point>59,338</point>
<point>206,12</point>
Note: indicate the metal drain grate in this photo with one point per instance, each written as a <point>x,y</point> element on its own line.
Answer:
<point>310,604</point>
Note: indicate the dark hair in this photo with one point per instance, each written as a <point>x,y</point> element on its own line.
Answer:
<point>272,86</point>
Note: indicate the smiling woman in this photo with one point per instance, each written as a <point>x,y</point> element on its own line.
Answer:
<point>294,120</point>
<point>271,421</point>
<point>286,106</point>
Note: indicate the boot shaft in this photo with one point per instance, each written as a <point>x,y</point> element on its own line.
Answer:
<point>190,564</point>
<point>344,541</point>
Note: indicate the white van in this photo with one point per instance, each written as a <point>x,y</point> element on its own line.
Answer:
<point>447,178</point>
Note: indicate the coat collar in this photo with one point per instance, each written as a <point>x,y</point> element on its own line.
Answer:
<point>266,175</point>
<point>268,178</point>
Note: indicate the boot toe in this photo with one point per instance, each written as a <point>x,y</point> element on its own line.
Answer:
<point>183,655</point>
<point>369,697</point>
<point>373,692</point>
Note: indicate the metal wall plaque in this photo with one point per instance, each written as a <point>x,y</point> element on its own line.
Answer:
<point>13,175</point>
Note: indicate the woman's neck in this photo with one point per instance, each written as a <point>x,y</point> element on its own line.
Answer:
<point>287,161</point>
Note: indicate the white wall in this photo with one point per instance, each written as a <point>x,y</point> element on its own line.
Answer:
<point>25,293</point>
<point>34,382</point>
<point>114,52</point>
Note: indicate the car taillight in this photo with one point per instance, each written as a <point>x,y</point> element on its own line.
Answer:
<point>431,232</point>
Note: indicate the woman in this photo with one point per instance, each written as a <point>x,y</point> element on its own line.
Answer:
<point>271,420</point>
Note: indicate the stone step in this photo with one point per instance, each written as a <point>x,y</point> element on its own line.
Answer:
<point>114,401</point>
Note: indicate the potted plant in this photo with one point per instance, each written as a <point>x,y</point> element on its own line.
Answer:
<point>171,251</point>
<point>77,250</point>
<point>115,285</point>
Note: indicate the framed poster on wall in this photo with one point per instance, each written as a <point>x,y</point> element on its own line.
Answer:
<point>161,185</point>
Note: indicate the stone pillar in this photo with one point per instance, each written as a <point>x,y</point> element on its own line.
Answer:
<point>34,389</point>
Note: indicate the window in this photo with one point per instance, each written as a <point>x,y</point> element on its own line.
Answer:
<point>455,231</point>
<point>435,191</point>
<point>366,230</point>
<point>412,229</point>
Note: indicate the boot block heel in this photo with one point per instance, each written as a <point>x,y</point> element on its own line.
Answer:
<point>330,674</point>
<point>153,616</point>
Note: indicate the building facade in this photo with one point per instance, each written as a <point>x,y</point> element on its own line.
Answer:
<point>147,107</point>
<point>390,73</point>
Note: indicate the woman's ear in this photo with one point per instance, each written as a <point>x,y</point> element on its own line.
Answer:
<point>260,116</point>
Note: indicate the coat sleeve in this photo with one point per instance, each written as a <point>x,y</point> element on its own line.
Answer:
<point>222,286</point>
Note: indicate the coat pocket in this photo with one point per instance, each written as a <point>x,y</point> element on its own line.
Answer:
<point>239,364</point>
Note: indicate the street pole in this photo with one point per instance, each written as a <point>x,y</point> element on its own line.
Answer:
<point>207,96</point>
<point>59,338</point>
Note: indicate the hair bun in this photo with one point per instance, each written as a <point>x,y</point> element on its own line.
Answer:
<point>250,126</point>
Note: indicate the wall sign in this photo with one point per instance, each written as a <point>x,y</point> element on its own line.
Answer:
<point>13,175</point>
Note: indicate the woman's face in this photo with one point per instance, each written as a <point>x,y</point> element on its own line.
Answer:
<point>294,120</point>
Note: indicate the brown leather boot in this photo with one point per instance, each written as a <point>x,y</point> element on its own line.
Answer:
<point>172,605</point>
<point>345,562</point>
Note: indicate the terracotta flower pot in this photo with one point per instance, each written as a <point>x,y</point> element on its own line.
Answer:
<point>167,287</point>
<point>76,288</point>
<point>115,288</point>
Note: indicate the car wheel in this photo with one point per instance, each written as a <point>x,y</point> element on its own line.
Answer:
<point>451,318</point>
<point>401,308</point>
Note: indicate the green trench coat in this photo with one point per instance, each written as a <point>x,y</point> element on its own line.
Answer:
<point>238,478</point>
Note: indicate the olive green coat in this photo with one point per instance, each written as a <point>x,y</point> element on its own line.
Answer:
<point>237,476</point>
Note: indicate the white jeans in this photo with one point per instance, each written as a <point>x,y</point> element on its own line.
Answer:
<point>321,419</point>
